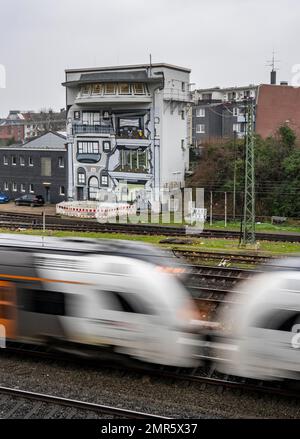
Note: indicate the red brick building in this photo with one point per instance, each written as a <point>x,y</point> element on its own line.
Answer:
<point>277,105</point>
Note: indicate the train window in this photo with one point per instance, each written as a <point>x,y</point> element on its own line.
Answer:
<point>277,319</point>
<point>44,302</point>
<point>127,302</point>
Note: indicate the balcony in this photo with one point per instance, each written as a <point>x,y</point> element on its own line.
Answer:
<point>172,94</point>
<point>92,129</point>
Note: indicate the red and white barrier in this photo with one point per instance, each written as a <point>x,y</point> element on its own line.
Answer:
<point>97,210</point>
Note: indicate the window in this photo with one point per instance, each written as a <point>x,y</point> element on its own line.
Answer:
<point>31,190</point>
<point>44,302</point>
<point>81,176</point>
<point>97,89</point>
<point>182,144</point>
<point>138,89</point>
<point>235,111</point>
<point>14,160</point>
<point>106,146</point>
<point>200,112</point>
<point>183,86</point>
<point>46,166</point>
<point>231,95</point>
<point>77,115</point>
<point>93,188</point>
<point>200,129</point>
<point>104,180</point>
<point>85,90</point>
<point>236,127</point>
<point>22,161</point>
<point>247,94</point>
<point>61,162</point>
<point>91,117</point>
<point>124,89</point>
<point>136,161</point>
<point>110,89</point>
<point>5,160</point>
<point>182,115</point>
<point>88,147</point>
<point>206,96</point>
<point>23,189</point>
<point>127,303</point>
<point>61,190</point>
<point>30,161</point>
<point>6,186</point>
<point>14,186</point>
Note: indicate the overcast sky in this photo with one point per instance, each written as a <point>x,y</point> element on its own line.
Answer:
<point>224,42</point>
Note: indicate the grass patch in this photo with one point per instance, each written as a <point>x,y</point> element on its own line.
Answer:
<point>262,227</point>
<point>205,244</point>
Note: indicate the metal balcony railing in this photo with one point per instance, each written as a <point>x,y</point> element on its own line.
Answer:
<point>171,94</point>
<point>91,129</point>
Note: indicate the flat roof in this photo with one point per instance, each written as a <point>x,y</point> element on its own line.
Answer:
<point>130,66</point>
<point>220,89</point>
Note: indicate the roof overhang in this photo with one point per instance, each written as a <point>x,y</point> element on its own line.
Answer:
<point>140,76</point>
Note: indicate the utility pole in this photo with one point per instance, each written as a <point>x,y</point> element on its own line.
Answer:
<point>247,235</point>
<point>234,175</point>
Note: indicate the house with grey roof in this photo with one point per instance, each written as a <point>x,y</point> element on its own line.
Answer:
<point>37,167</point>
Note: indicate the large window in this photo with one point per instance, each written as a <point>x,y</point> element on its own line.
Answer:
<point>23,189</point>
<point>6,186</point>
<point>30,161</point>
<point>14,160</point>
<point>88,147</point>
<point>91,117</point>
<point>61,162</point>
<point>22,161</point>
<point>131,127</point>
<point>133,161</point>
<point>46,166</point>
<point>5,160</point>
<point>14,186</point>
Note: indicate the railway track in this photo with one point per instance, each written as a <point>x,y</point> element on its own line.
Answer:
<point>203,376</point>
<point>8,220</point>
<point>16,403</point>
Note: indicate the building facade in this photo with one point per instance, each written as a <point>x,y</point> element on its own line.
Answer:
<point>219,113</point>
<point>127,124</point>
<point>21,126</point>
<point>38,167</point>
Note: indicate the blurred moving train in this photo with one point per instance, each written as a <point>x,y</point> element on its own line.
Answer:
<point>118,296</point>
<point>261,336</point>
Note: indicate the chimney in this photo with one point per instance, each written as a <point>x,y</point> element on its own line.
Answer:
<point>273,77</point>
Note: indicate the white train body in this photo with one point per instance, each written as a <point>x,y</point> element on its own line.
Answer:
<point>78,294</point>
<point>262,334</point>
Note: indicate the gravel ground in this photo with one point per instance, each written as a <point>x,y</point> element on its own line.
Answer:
<point>138,391</point>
